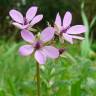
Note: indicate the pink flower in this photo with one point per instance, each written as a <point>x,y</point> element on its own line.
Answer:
<point>25,22</point>
<point>67,32</point>
<point>37,45</point>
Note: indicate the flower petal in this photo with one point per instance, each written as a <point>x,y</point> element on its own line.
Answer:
<point>78,37</point>
<point>47,34</point>
<point>68,38</point>
<point>26,50</point>
<point>31,13</point>
<point>36,19</point>
<point>67,20</point>
<point>20,26</point>
<point>17,25</point>
<point>16,16</point>
<point>27,36</point>
<point>58,20</point>
<point>40,57</point>
<point>77,29</point>
<point>51,52</point>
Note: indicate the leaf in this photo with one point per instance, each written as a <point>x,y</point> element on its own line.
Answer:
<point>2,93</point>
<point>85,45</point>
<point>12,87</point>
<point>93,22</point>
<point>10,51</point>
<point>76,89</point>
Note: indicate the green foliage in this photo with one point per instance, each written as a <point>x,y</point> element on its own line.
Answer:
<point>76,89</point>
<point>86,44</point>
<point>69,75</point>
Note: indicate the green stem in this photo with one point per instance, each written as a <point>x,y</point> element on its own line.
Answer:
<point>38,79</point>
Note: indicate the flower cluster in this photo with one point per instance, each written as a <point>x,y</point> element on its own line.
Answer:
<point>38,44</point>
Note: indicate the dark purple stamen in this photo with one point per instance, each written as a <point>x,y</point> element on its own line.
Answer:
<point>38,45</point>
<point>25,21</point>
<point>64,30</point>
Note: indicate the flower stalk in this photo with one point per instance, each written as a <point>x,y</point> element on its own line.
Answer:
<point>38,79</point>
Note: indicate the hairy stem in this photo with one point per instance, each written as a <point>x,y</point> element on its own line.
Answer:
<point>38,79</point>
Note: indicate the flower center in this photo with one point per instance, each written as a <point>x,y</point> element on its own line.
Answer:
<point>64,30</point>
<point>38,45</point>
<point>25,21</point>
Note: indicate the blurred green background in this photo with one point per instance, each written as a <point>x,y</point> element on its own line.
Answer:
<point>73,74</point>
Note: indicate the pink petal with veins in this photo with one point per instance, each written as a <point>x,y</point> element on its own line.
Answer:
<point>16,16</point>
